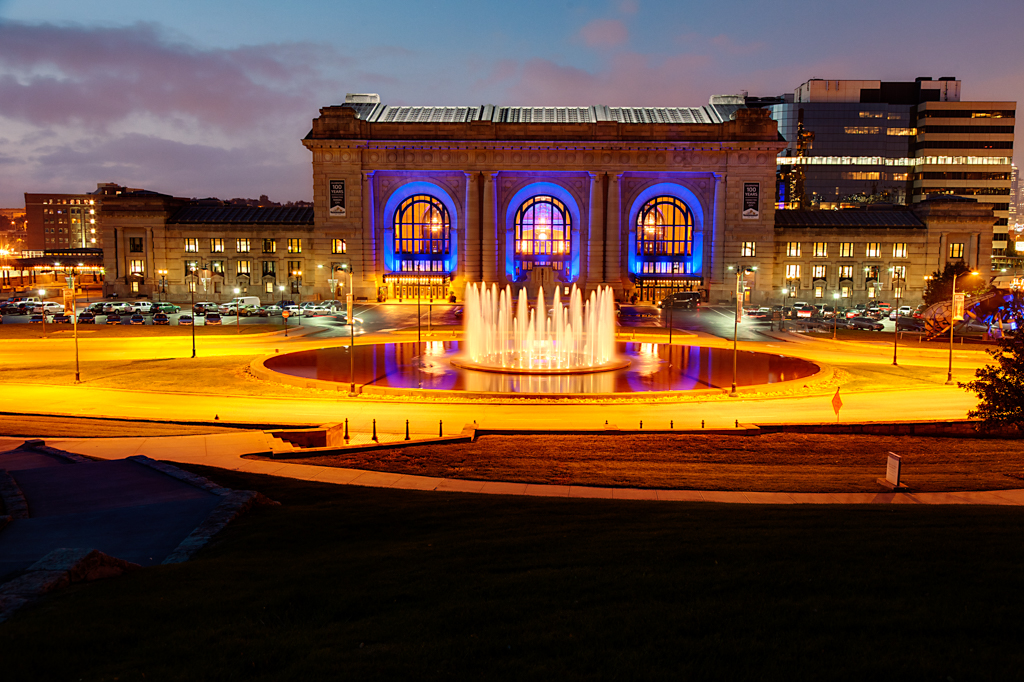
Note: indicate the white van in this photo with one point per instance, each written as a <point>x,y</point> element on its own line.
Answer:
<point>243,301</point>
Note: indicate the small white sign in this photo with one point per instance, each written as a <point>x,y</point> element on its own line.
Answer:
<point>892,469</point>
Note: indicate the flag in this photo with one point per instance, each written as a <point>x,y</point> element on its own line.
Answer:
<point>837,403</point>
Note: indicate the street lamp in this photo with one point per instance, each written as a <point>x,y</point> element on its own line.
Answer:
<point>163,283</point>
<point>736,328</point>
<point>238,313</point>
<point>192,290</point>
<point>897,294</point>
<point>284,317</point>
<point>352,332</point>
<point>74,316</point>
<point>42,306</point>
<point>952,319</point>
<point>835,315</point>
<point>297,274</point>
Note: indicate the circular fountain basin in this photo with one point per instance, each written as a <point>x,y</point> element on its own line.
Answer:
<point>647,369</point>
<point>462,362</point>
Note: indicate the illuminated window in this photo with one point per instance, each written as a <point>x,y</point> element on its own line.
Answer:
<point>956,250</point>
<point>217,245</point>
<point>793,249</point>
<point>217,267</point>
<point>137,267</point>
<point>294,246</point>
<point>871,272</point>
<point>793,271</point>
<point>268,287</point>
<point>135,286</point>
<point>874,250</point>
<point>818,271</point>
<point>664,227</point>
<point>269,246</point>
<point>294,268</point>
<point>901,132</point>
<point>844,291</point>
<point>862,130</point>
<point>135,244</point>
<point>338,246</point>
<point>846,249</point>
<point>192,285</point>
<point>871,114</point>
<point>819,292</point>
<point>191,245</point>
<point>899,250</point>
<point>821,249</point>
<point>900,177</point>
<point>243,267</point>
<point>422,234</point>
<point>748,249</point>
<point>269,268</point>
<point>543,234</point>
<point>242,245</point>
<point>845,272</point>
<point>899,272</point>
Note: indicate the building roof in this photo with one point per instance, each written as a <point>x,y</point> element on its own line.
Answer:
<point>376,112</point>
<point>849,218</point>
<point>277,215</point>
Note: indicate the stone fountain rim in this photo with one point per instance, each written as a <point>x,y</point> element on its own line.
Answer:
<point>465,363</point>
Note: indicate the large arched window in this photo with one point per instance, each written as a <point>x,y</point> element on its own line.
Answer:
<point>543,234</point>
<point>664,227</point>
<point>422,234</point>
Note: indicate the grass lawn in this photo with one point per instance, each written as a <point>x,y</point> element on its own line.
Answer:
<point>775,462</point>
<point>119,331</point>
<point>372,584</point>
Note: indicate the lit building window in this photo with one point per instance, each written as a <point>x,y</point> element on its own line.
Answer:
<point>748,250</point>
<point>901,132</point>
<point>543,235</point>
<point>899,272</point>
<point>294,246</point>
<point>844,291</point>
<point>137,267</point>
<point>793,271</point>
<point>191,245</point>
<point>793,249</point>
<point>874,250</point>
<point>242,245</point>
<point>899,250</point>
<point>845,272</point>
<point>846,249</point>
<point>269,246</point>
<point>818,271</point>
<point>243,267</point>
<point>217,267</point>
<point>819,292</point>
<point>269,268</point>
<point>821,249</point>
<point>217,245</point>
<point>862,175</point>
<point>422,234</point>
<point>338,246</point>
<point>956,250</point>
<point>268,287</point>
<point>862,130</point>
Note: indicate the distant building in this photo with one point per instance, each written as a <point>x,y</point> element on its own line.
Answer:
<point>61,221</point>
<point>851,143</point>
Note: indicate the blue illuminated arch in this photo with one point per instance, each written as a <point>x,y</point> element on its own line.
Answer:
<point>692,202</point>
<point>520,197</point>
<point>402,193</point>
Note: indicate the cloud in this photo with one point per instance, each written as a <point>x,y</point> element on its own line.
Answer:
<point>629,7</point>
<point>604,33</point>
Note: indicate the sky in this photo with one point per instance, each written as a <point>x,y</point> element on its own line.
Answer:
<point>201,98</point>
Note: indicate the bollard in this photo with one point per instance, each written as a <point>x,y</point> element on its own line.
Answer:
<point>407,429</point>
<point>440,428</point>
<point>346,428</point>
<point>737,423</point>
<point>641,424</point>
<point>216,417</point>
<point>606,422</point>
<point>671,423</point>
<point>702,423</point>
<point>375,431</point>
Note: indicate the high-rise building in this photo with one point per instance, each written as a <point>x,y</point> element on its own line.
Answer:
<point>61,221</point>
<point>861,142</point>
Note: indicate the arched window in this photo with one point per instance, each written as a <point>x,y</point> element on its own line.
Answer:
<point>664,227</point>
<point>422,234</point>
<point>543,234</point>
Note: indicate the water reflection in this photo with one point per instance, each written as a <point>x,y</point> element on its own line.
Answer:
<point>653,367</point>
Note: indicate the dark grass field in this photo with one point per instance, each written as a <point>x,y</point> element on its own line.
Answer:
<point>350,583</point>
<point>768,463</point>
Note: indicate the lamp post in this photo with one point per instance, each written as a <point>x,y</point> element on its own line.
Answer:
<point>284,318</point>
<point>297,274</point>
<point>952,320</point>
<point>349,299</point>
<point>835,315</point>
<point>238,313</point>
<point>74,316</point>
<point>163,284</point>
<point>897,294</point>
<point>735,330</point>
<point>42,306</point>
<point>192,291</point>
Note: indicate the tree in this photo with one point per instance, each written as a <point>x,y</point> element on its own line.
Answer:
<point>940,285</point>
<point>1000,386</point>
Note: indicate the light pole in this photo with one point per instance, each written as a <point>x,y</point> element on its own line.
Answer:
<point>42,306</point>
<point>74,315</point>
<point>192,290</point>
<point>238,313</point>
<point>952,320</point>
<point>897,291</point>
<point>736,329</point>
<point>284,318</point>
<point>349,299</point>
<point>297,274</point>
<point>163,284</point>
<point>835,315</point>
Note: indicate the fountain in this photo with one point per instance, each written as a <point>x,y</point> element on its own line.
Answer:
<point>510,338</point>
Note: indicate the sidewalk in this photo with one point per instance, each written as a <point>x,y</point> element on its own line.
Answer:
<point>225,451</point>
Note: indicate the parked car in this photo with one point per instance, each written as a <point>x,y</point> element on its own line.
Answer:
<point>761,314</point>
<point>62,318</point>
<point>681,299</point>
<point>203,307</point>
<point>167,307</point>
<point>270,310</point>
<point>904,310</point>
<point>909,323</point>
<point>114,318</point>
<point>226,309</point>
<point>144,307</point>
<point>161,318</point>
<point>864,323</point>
<point>316,311</point>
<point>49,307</point>
<point>185,320</point>
<point>96,308</point>
<point>38,319</point>
<point>972,327</point>
<point>250,311</point>
<point>86,317</point>
<point>213,318</point>
<point>804,311</point>
<point>137,318</point>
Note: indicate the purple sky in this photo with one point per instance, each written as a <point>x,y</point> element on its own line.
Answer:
<point>211,98</point>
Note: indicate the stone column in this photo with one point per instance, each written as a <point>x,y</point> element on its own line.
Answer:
<point>150,273</point>
<point>613,243</point>
<point>367,261</point>
<point>593,245</point>
<point>471,230</point>
<point>489,243</point>
<point>714,263</point>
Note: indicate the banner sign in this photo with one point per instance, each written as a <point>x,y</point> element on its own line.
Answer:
<point>740,289</point>
<point>751,200</point>
<point>337,205</point>
<point>958,307</point>
<point>69,301</point>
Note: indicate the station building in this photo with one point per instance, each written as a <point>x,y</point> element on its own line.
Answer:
<point>422,201</point>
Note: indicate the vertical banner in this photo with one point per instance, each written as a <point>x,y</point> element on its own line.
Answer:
<point>337,203</point>
<point>69,300</point>
<point>740,288</point>
<point>751,200</point>
<point>958,307</point>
